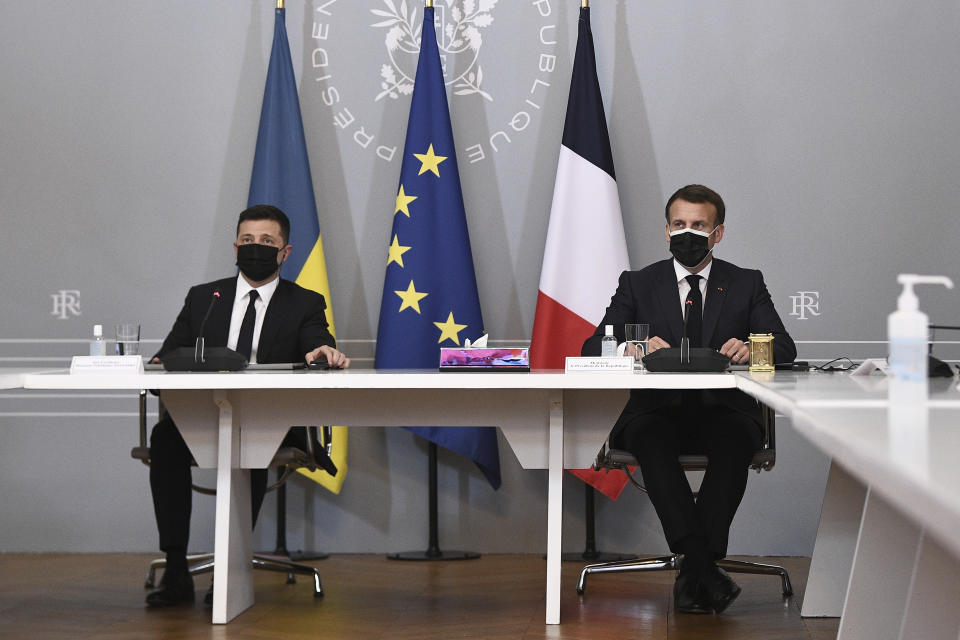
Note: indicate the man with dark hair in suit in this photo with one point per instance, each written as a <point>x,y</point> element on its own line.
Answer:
<point>724,304</point>
<point>267,319</point>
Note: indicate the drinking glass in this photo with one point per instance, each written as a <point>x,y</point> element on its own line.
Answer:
<point>128,339</point>
<point>637,336</point>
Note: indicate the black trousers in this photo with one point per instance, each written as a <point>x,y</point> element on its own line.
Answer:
<point>170,483</point>
<point>727,437</point>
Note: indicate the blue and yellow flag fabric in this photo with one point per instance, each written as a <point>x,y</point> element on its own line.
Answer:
<point>281,177</point>
<point>430,291</point>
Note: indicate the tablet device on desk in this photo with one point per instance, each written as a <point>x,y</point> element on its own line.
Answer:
<point>274,366</point>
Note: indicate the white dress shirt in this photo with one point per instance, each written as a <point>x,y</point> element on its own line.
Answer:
<point>240,302</point>
<point>684,286</point>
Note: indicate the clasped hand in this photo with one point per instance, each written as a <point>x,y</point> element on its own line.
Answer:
<point>737,350</point>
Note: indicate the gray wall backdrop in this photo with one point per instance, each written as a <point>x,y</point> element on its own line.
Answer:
<point>128,131</point>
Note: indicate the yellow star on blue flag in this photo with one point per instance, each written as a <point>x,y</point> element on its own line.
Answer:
<point>439,260</point>
<point>429,161</point>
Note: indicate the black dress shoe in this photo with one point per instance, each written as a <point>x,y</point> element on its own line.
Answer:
<point>719,588</point>
<point>689,595</point>
<point>175,588</point>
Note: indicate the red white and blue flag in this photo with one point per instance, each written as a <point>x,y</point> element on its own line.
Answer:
<point>586,249</point>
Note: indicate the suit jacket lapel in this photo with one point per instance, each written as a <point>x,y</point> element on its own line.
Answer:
<point>717,287</point>
<point>271,322</point>
<point>668,296</point>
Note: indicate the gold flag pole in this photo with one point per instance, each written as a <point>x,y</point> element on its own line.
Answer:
<point>279,4</point>
<point>584,4</point>
<point>428,4</point>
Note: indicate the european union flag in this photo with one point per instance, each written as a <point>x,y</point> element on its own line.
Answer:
<point>430,290</point>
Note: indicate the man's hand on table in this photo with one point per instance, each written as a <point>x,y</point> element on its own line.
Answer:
<point>656,342</point>
<point>736,350</point>
<point>333,357</point>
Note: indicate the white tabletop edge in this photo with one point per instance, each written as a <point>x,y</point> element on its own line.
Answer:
<point>378,379</point>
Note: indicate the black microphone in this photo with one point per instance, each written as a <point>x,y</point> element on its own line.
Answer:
<point>685,341</point>
<point>198,350</point>
<point>198,358</point>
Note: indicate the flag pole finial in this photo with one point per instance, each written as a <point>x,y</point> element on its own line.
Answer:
<point>279,4</point>
<point>584,4</point>
<point>428,4</point>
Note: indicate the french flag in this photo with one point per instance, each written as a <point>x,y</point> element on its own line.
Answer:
<point>586,249</point>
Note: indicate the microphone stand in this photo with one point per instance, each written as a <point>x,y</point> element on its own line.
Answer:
<point>198,349</point>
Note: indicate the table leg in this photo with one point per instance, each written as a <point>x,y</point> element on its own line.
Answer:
<point>882,572</point>
<point>554,506</point>
<point>932,610</point>
<point>835,544</point>
<point>233,545</point>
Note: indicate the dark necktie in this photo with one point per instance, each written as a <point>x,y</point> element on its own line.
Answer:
<point>245,340</point>
<point>694,311</point>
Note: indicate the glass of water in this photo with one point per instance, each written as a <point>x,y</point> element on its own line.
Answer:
<point>128,339</point>
<point>637,336</point>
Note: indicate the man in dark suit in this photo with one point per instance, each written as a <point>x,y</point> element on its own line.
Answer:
<point>267,319</point>
<point>724,304</point>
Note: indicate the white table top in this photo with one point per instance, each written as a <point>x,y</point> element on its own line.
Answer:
<point>13,377</point>
<point>787,390</point>
<point>379,379</point>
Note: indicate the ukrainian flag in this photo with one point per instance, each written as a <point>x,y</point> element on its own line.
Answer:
<point>281,177</point>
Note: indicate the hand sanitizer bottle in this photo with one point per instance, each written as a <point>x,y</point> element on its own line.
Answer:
<point>608,344</point>
<point>97,346</point>
<point>907,330</point>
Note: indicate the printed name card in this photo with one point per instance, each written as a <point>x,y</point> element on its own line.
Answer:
<point>82,365</point>
<point>586,364</point>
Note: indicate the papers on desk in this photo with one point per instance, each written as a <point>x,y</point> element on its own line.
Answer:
<point>83,365</point>
<point>591,364</point>
<point>870,365</point>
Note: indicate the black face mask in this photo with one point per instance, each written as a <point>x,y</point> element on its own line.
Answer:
<point>690,247</point>
<point>257,261</point>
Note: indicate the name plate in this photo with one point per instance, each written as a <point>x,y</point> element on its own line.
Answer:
<point>82,365</point>
<point>584,364</point>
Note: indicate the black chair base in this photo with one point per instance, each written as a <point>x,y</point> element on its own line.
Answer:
<point>672,562</point>
<point>203,563</point>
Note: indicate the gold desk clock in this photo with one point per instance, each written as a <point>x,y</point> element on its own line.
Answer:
<point>761,352</point>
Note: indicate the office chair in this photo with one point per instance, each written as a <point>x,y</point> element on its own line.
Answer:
<point>763,460</point>
<point>289,459</point>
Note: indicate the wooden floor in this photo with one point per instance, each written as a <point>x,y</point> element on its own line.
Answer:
<point>369,597</point>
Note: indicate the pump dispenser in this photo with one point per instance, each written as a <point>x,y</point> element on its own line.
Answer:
<point>907,330</point>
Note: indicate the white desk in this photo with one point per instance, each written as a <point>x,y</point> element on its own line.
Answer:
<point>905,530</point>
<point>891,512</point>
<point>12,377</point>
<point>532,411</point>
<point>905,575</point>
